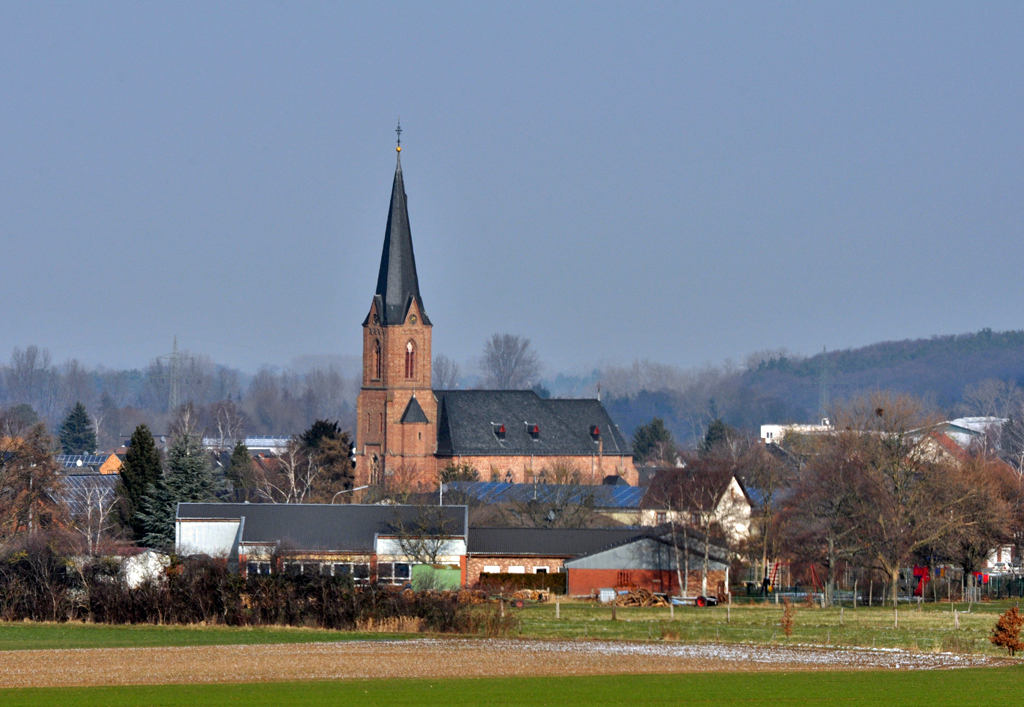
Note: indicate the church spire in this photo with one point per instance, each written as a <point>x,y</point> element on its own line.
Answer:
<point>397,284</point>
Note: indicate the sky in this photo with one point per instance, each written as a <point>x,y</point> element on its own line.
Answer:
<point>681,182</point>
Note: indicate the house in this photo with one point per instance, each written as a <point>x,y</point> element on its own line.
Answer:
<point>695,497</point>
<point>407,432</point>
<point>392,544</point>
<point>650,561</point>
<point>534,550</point>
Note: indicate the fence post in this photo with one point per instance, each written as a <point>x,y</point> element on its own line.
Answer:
<point>558,606</point>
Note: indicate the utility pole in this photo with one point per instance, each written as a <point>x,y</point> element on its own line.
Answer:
<point>174,361</point>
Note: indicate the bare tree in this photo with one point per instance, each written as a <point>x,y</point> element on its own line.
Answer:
<point>90,503</point>
<point>556,499</point>
<point>445,373</point>
<point>425,536</point>
<point>509,362</point>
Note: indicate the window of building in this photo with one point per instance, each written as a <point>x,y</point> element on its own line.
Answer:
<point>376,359</point>
<point>410,360</point>
<point>540,570</point>
<point>254,568</point>
<point>517,569</point>
<point>380,424</point>
<point>661,517</point>
<point>492,569</point>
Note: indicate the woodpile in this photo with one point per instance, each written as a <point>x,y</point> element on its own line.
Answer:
<point>540,595</point>
<point>469,596</point>
<point>640,597</point>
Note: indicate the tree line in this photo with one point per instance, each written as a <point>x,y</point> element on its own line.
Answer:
<point>36,497</point>
<point>885,490</point>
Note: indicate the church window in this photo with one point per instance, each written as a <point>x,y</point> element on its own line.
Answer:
<point>381,423</point>
<point>410,360</point>
<point>376,359</point>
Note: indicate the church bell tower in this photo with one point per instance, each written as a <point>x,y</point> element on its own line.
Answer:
<point>396,430</point>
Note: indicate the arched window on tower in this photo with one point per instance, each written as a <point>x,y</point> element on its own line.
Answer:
<point>410,360</point>
<point>376,359</point>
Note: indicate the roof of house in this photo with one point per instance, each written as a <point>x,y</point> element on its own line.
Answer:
<point>598,495</point>
<point>338,528</point>
<point>650,551</point>
<point>469,422</point>
<point>689,487</point>
<point>545,542</point>
<point>397,283</point>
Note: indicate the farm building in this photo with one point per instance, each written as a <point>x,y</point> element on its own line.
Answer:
<point>649,561</point>
<point>390,544</point>
<point>534,550</point>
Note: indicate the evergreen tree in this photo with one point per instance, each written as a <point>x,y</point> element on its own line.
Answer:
<point>325,445</point>
<point>239,471</point>
<point>187,479</point>
<point>141,470</point>
<point>77,435</point>
<point>653,442</point>
<point>718,434</point>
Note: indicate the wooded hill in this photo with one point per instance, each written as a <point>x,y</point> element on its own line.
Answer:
<point>956,375</point>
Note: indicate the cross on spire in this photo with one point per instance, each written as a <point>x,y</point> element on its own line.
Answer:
<point>398,132</point>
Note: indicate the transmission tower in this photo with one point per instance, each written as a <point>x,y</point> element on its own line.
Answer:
<point>174,361</point>
<point>823,397</point>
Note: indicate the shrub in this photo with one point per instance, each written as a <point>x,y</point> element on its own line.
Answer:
<point>788,614</point>
<point>1006,633</point>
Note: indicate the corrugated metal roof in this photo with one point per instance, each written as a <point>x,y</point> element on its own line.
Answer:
<point>546,542</point>
<point>339,528</point>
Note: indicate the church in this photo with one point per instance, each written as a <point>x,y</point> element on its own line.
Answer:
<point>407,433</point>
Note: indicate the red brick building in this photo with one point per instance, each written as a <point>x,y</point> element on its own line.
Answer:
<point>407,432</point>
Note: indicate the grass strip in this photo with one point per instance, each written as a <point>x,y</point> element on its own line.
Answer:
<point>856,689</point>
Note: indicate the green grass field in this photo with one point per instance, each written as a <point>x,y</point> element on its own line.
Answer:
<point>928,629</point>
<point>906,689</point>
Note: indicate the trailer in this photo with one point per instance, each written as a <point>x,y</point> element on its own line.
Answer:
<point>698,601</point>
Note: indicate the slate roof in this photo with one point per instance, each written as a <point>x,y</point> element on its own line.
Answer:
<point>601,496</point>
<point>397,284</point>
<point>413,413</point>
<point>318,526</point>
<point>546,542</point>
<point>467,420</point>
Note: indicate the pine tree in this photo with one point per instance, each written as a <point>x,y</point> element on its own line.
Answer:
<point>141,470</point>
<point>718,434</point>
<point>187,479</point>
<point>239,471</point>
<point>77,435</point>
<point>653,442</point>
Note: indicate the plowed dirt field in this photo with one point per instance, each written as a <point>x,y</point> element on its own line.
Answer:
<point>434,658</point>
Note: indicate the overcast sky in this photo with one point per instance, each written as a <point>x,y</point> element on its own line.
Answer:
<point>679,182</point>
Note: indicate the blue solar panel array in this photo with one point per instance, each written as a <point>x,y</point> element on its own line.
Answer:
<point>72,460</point>
<point>500,492</point>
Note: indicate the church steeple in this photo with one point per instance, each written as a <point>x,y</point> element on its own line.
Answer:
<point>397,284</point>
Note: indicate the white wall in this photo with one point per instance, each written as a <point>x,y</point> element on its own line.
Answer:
<point>215,538</point>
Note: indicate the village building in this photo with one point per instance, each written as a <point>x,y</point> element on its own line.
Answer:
<point>534,550</point>
<point>657,561</point>
<point>390,544</point>
<point>407,432</point>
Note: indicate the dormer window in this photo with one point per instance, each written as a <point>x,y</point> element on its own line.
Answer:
<point>499,431</point>
<point>533,429</point>
<point>595,432</point>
